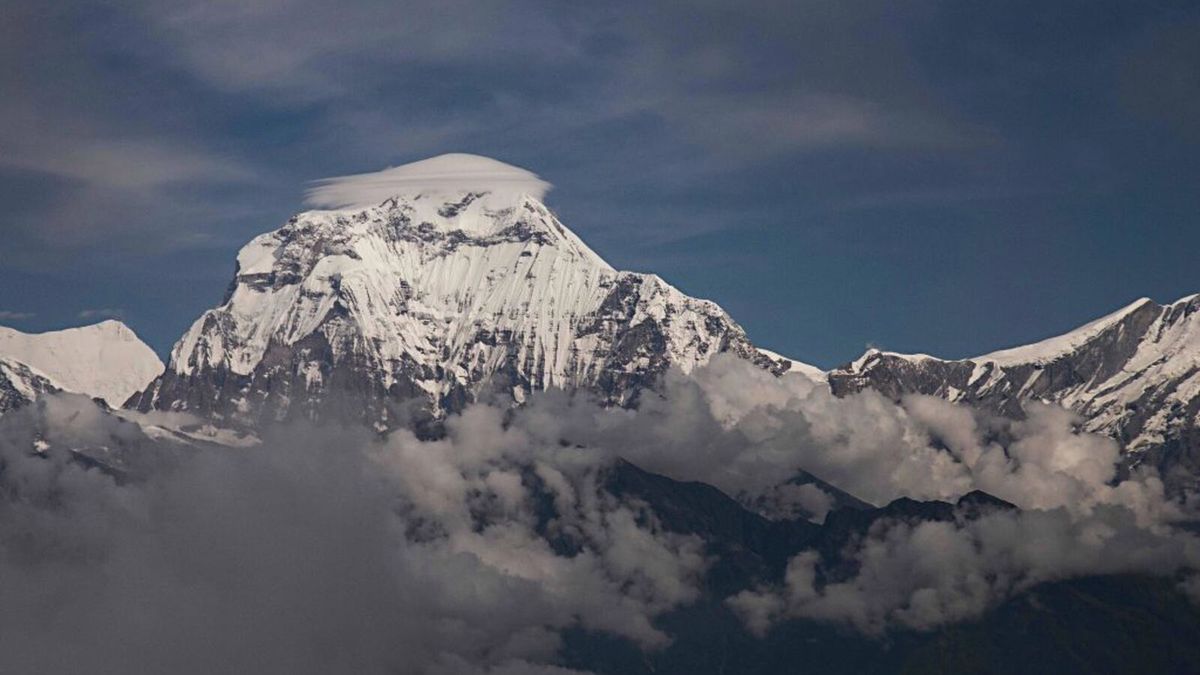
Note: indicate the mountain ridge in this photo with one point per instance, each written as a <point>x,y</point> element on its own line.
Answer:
<point>1133,374</point>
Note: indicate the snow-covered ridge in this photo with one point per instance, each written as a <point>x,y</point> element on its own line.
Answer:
<point>106,359</point>
<point>1043,351</point>
<point>1133,374</point>
<point>872,354</point>
<point>1059,345</point>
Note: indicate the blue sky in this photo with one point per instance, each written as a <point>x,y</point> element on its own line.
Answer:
<point>946,177</point>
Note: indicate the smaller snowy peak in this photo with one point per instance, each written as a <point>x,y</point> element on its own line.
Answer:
<point>1040,352</point>
<point>106,359</point>
<point>793,366</point>
<point>490,183</point>
<point>1133,374</point>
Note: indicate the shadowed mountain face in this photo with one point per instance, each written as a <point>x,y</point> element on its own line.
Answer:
<point>1133,375</point>
<point>416,307</point>
<point>1113,624</point>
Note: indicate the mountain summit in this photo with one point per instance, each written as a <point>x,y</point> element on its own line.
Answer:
<point>457,285</point>
<point>105,360</point>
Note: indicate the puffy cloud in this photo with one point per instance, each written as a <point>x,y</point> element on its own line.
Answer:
<point>746,432</point>
<point>927,574</point>
<point>320,550</point>
<point>788,501</point>
<point>101,313</point>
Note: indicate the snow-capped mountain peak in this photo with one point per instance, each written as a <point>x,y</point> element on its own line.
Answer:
<point>439,293</point>
<point>106,359</point>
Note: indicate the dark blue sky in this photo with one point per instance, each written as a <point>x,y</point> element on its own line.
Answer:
<point>947,177</point>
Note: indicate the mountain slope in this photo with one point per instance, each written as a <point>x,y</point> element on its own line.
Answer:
<point>106,359</point>
<point>1134,375</point>
<point>20,384</point>
<point>460,286</point>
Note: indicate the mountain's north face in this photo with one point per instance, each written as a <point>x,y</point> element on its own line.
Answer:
<point>1133,375</point>
<point>455,288</point>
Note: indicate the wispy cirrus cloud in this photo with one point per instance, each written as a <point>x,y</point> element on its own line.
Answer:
<point>101,313</point>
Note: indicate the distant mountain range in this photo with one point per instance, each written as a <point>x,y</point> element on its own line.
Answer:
<point>396,313</point>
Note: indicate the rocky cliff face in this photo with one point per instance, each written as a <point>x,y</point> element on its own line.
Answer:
<point>396,313</point>
<point>1134,374</point>
<point>20,385</point>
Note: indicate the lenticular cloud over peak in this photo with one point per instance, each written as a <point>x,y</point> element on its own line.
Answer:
<point>450,173</point>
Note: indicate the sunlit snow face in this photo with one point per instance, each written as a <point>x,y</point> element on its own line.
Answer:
<point>452,173</point>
